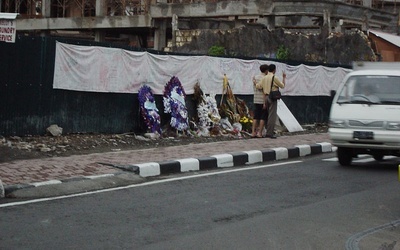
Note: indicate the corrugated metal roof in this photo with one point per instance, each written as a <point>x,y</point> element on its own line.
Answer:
<point>4,15</point>
<point>388,37</point>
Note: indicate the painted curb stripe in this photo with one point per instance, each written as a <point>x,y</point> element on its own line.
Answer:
<point>281,153</point>
<point>268,155</point>
<point>189,164</point>
<point>304,150</point>
<point>293,152</point>
<point>240,158</point>
<point>325,146</point>
<point>208,163</point>
<point>231,160</point>
<point>170,167</point>
<point>224,160</point>
<point>254,156</point>
<point>316,149</point>
<point>149,169</point>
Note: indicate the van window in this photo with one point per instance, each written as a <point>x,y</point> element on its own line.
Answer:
<point>371,90</point>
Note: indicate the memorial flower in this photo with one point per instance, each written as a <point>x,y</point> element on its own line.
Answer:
<point>174,103</point>
<point>149,110</point>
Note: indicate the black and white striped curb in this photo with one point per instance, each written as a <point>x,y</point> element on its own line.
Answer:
<point>152,169</point>
<point>229,160</point>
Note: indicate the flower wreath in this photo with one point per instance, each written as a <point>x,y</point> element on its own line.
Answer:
<point>149,110</point>
<point>207,110</point>
<point>174,103</point>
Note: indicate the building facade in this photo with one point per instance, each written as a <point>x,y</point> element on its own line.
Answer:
<point>153,23</point>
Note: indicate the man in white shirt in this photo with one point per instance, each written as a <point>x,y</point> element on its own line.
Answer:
<point>260,111</point>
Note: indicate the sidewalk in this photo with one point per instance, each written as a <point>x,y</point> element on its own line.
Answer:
<point>157,161</point>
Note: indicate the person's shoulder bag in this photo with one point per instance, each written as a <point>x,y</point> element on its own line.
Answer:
<point>274,95</point>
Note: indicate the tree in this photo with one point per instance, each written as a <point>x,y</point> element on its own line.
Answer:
<point>216,51</point>
<point>282,53</point>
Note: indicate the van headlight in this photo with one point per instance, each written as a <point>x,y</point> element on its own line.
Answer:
<point>393,126</point>
<point>337,123</point>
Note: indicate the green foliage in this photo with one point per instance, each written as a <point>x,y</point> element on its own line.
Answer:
<point>216,51</point>
<point>282,53</point>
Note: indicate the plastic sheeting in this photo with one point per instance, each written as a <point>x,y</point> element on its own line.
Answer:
<point>100,69</point>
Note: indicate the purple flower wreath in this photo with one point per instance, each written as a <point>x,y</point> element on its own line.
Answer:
<point>174,103</point>
<point>149,110</point>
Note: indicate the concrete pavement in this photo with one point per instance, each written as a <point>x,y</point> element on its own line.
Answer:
<point>65,175</point>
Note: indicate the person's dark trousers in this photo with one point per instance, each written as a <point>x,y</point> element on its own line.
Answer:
<point>272,116</point>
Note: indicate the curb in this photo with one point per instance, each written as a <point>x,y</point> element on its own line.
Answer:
<point>235,159</point>
<point>228,160</point>
<point>2,191</point>
<point>8,189</point>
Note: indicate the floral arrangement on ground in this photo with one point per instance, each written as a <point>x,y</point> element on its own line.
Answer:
<point>231,116</point>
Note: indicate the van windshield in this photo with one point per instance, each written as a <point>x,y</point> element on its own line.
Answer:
<point>371,89</point>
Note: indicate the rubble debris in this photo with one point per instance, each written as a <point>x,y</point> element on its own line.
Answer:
<point>54,130</point>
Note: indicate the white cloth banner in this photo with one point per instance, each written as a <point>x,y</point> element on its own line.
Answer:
<point>100,69</point>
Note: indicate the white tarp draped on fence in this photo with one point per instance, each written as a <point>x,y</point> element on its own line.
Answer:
<point>99,69</point>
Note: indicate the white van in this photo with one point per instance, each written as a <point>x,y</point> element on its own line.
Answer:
<point>365,112</point>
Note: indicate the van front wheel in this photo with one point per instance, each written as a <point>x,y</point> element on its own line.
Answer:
<point>345,156</point>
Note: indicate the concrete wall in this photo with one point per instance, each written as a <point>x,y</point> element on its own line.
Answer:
<point>337,48</point>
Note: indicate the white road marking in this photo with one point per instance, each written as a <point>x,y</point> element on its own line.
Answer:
<point>362,158</point>
<point>354,159</point>
<point>330,159</point>
<point>12,204</point>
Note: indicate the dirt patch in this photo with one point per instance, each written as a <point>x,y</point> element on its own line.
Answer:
<point>33,147</point>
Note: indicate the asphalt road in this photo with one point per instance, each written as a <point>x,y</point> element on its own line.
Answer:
<point>311,203</point>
